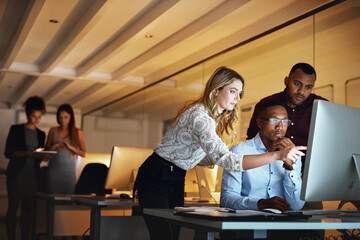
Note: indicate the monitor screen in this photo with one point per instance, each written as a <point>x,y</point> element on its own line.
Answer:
<point>332,164</point>
<point>124,164</point>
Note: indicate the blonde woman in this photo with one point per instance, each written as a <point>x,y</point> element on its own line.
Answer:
<point>193,138</point>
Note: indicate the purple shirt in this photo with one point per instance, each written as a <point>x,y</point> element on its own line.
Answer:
<point>300,116</point>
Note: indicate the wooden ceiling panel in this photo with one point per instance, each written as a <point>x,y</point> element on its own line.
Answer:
<point>111,19</point>
<point>9,83</point>
<point>96,55</point>
<point>71,90</point>
<point>43,31</point>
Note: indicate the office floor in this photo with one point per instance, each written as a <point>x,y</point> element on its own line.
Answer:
<point>3,235</point>
<point>3,229</point>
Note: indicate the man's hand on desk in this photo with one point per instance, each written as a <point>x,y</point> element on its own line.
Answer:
<point>274,202</point>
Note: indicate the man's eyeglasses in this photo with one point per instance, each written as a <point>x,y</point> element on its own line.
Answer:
<point>275,122</point>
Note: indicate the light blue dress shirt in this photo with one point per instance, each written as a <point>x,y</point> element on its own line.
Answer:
<point>242,190</point>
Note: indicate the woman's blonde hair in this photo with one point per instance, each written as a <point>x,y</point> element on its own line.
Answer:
<point>224,121</point>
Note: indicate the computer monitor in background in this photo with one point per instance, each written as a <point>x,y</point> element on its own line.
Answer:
<point>124,164</point>
<point>202,184</point>
<point>332,165</point>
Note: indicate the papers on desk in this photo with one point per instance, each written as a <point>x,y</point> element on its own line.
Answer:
<point>220,209</point>
<point>69,197</point>
<point>202,209</point>
<point>216,213</point>
<point>64,198</point>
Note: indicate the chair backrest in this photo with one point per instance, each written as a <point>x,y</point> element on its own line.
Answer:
<point>92,179</point>
<point>91,157</point>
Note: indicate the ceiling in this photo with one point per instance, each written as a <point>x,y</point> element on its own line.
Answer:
<point>90,53</point>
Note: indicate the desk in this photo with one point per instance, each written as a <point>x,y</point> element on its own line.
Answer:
<point>207,228</point>
<point>198,203</point>
<point>96,204</point>
<point>58,205</point>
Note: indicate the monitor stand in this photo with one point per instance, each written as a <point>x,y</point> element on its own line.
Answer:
<point>204,190</point>
<point>356,158</point>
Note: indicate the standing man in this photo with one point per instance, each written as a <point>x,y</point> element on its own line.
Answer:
<point>298,100</point>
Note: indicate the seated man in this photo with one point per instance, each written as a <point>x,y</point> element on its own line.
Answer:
<point>269,186</point>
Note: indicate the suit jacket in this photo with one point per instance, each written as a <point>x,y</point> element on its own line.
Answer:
<point>16,142</point>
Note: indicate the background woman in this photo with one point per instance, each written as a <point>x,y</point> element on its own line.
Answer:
<point>23,169</point>
<point>194,137</point>
<point>68,141</point>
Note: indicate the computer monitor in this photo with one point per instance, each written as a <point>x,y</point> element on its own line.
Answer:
<point>332,164</point>
<point>202,184</point>
<point>124,164</point>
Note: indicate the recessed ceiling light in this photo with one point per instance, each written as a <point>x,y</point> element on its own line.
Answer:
<point>148,36</point>
<point>53,21</point>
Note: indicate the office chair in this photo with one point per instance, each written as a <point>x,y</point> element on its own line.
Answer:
<point>92,180</point>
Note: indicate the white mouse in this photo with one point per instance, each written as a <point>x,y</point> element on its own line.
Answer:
<point>271,210</point>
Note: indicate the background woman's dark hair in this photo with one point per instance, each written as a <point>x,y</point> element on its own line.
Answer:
<point>34,103</point>
<point>73,133</point>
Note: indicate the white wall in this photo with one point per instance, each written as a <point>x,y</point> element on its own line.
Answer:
<point>7,118</point>
<point>102,133</point>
